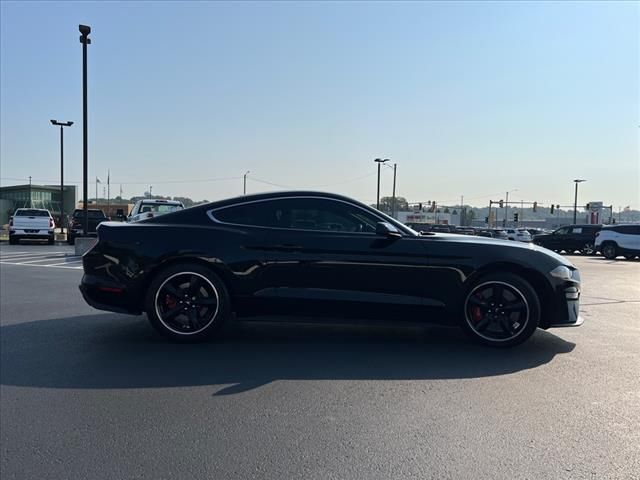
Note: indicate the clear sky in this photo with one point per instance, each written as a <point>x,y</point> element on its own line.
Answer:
<point>468,98</point>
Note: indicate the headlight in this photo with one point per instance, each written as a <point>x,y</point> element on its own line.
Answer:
<point>561,272</point>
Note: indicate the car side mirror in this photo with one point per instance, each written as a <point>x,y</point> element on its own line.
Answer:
<point>387,230</point>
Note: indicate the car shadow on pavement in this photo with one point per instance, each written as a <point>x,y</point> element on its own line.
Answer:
<point>117,351</point>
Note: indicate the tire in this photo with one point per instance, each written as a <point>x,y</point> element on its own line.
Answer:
<point>71,240</point>
<point>610,251</point>
<point>501,328</point>
<point>588,249</point>
<point>172,311</point>
<point>14,241</point>
<point>51,240</point>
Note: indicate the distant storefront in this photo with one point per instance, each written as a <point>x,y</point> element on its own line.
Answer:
<point>35,196</point>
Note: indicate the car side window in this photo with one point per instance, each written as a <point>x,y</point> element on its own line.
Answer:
<point>300,214</point>
<point>562,231</point>
<point>577,230</point>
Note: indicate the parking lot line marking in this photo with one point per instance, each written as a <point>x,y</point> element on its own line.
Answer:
<point>63,263</point>
<point>36,265</point>
<point>27,255</point>
<point>46,259</point>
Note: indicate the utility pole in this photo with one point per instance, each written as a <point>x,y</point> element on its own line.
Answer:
<point>85,40</point>
<point>244,190</point>
<point>150,191</point>
<point>30,204</point>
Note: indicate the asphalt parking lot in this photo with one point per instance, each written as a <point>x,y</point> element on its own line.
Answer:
<point>90,394</point>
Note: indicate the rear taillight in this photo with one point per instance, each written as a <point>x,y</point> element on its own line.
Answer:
<point>50,222</point>
<point>11,221</point>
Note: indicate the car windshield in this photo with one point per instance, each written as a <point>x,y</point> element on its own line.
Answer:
<point>31,212</point>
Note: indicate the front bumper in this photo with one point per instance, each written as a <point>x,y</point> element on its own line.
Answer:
<point>567,293</point>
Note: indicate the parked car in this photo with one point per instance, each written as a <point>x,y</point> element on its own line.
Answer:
<point>518,234</point>
<point>269,254</point>
<point>570,239</point>
<point>499,233</point>
<point>484,233</point>
<point>537,231</point>
<point>418,227</point>
<point>153,207</point>
<point>465,230</point>
<point>76,223</point>
<point>31,224</point>
<point>615,240</point>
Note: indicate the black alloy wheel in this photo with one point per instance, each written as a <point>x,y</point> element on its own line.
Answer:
<point>588,249</point>
<point>501,310</point>
<point>609,251</point>
<point>187,303</point>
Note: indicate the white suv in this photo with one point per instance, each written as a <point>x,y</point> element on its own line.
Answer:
<point>519,234</point>
<point>615,240</point>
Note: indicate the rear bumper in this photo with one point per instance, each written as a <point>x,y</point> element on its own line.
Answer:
<point>41,234</point>
<point>106,295</point>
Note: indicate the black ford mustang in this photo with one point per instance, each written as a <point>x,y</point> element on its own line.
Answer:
<point>309,254</point>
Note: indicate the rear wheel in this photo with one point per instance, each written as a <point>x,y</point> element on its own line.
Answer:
<point>51,240</point>
<point>71,240</point>
<point>187,303</point>
<point>501,310</point>
<point>588,249</point>
<point>609,251</point>
<point>13,240</point>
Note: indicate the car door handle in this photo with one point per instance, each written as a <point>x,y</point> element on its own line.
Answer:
<point>287,247</point>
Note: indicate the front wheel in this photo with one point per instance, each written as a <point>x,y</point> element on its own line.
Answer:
<point>187,303</point>
<point>609,251</point>
<point>51,240</point>
<point>71,240</point>
<point>501,310</point>
<point>14,241</point>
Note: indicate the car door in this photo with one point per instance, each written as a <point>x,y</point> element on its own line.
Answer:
<point>326,259</point>
<point>558,239</point>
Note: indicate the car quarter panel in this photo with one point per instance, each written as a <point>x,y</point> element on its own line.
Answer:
<point>127,256</point>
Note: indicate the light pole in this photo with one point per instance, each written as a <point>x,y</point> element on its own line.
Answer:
<point>379,161</point>
<point>61,125</point>
<point>393,204</point>
<point>575,200</point>
<point>244,190</point>
<point>506,207</point>
<point>85,40</point>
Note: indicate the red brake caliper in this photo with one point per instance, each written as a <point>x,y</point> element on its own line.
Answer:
<point>476,312</point>
<point>169,301</point>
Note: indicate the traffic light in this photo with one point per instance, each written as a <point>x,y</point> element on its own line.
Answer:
<point>535,206</point>
<point>486,219</point>
<point>419,207</point>
<point>586,207</point>
<point>500,203</point>
<point>552,207</point>
<point>515,217</point>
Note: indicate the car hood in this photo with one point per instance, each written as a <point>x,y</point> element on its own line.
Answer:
<point>496,242</point>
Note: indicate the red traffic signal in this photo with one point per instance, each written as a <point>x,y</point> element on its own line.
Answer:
<point>501,203</point>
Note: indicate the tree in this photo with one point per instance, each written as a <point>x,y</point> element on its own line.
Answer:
<point>386,204</point>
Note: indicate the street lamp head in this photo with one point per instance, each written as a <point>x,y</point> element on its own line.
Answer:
<point>578,180</point>
<point>379,160</point>
<point>61,124</point>
<point>84,29</point>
